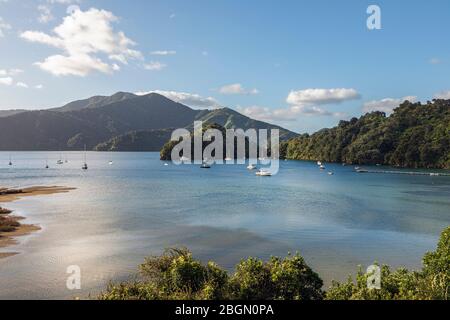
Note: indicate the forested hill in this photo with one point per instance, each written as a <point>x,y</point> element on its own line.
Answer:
<point>415,135</point>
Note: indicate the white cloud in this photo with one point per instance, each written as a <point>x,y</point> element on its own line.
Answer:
<point>81,36</point>
<point>386,105</point>
<point>163,52</point>
<point>39,86</point>
<point>442,95</point>
<point>77,65</point>
<point>284,114</point>
<point>7,81</point>
<point>10,72</point>
<point>189,99</point>
<point>236,88</point>
<point>22,85</point>
<point>321,96</point>
<point>3,27</point>
<point>303,103</point>
<point>155,66</point>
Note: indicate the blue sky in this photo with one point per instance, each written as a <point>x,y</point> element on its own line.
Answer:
<point>301,64</point>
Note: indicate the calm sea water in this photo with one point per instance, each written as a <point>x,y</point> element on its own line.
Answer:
<point>136,207</point>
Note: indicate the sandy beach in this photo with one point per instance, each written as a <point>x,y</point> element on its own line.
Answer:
<point>13,228</point>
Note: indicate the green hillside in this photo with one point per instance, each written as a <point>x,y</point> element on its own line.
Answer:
<point>416,135</point>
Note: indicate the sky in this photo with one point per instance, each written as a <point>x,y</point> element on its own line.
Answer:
<point>304,65</point>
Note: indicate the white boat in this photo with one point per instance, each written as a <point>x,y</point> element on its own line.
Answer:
<point>319,163</point>
<point>60,160</point>
<point>111,163</point>
<point>251,167</point>
<point>322,167</point>
<point>331,173</point>
<point>263,173</point>
<point>166,164</point>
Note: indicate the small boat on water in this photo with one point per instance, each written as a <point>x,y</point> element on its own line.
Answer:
<point>60,160</point>
<point>85,166</point>
<point>331,173</point>
<point>166,164</point>
<point>205,165</point>
<point>322,167</point>
<point>263,173</point>
<point>10,161</point>
<point>251,167</point>
<point>111,163</point>
<point>319,163</point>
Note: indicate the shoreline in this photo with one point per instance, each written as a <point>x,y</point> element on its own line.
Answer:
<point>11,227</point>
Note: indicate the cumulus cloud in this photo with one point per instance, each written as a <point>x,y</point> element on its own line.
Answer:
<point>22,85</point>
<point>189,99</point>
<point>155,66</point>
<point>236,88</point>
<point>7,81</point>
<point>442,95</point>
<point>83,36</point>
<point>306,102</point>
<point>321,96</point>
<point>284,114</point>
<point>386,105</point>
<point>10,72</point>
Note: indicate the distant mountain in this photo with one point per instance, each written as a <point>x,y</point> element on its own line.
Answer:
<point>416,135</point>
<point>7,113</point>
<point>95,102</point>
<point>113,122</point>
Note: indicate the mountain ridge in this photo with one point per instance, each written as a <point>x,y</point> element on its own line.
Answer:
<point>97,120</point>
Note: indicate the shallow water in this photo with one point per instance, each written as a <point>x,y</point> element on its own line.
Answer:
<point>123,212</point>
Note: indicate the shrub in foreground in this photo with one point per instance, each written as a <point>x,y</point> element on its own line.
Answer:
<point>431,283</point>
<point>176,275</point>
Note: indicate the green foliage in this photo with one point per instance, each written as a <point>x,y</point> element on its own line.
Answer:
<point>431,283</point>
<point>415,135</point>
<point>279,279</point>
<point>176,275</point>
